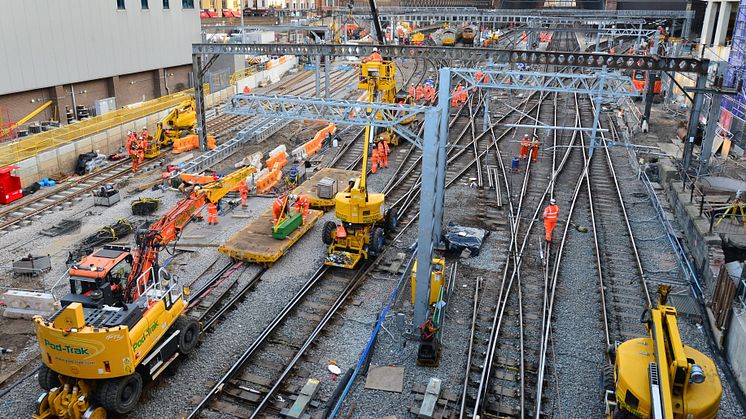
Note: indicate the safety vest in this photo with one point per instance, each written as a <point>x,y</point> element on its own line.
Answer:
<point>551,212</point>
<point>212,208</point>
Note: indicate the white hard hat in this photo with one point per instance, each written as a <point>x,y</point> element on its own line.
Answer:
<point>552,201</point>
<point>196,188</point>
<point>144,127</point>
<point>525,136</point>
<point>375,49</point>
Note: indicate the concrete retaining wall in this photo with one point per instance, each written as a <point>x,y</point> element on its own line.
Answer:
<point>705,248</point>
<point>64,158</point>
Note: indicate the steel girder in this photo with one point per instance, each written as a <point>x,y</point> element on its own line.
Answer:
<point>574,59</point>
<point>380,115</point>
<point>608,86</point>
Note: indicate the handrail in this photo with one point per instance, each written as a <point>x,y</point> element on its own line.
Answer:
<point>26,147</point>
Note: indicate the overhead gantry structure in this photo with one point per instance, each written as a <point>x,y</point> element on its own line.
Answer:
<point>604,85</point>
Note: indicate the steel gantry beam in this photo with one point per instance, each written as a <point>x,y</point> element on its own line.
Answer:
<point>610,86</point>
<point>468,54</point>
<point>338,111</point>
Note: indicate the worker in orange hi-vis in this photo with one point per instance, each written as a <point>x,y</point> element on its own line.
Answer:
<point>302,204</point>
<point>551,212</point>
<point>278,207</point>
<point>374,161</point>
<point>383,153</point>
<point>525,144</point>
<point>144,133</point>
<point>419,94</point>
<point>478,76</point>
<point>412,90</point>
<point>463,95</point>
<point>534,149</point>
<point>243,190</point>
<point>375,57</point>
<point>454,96</point>
<point>137,155</point>
<point>431,94</point>
<point>212,213</point>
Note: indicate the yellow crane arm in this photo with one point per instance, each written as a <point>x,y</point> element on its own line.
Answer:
<point>14,125</point>
<point>216,190</point>
<point>369,133</point>
<point>661,405</point>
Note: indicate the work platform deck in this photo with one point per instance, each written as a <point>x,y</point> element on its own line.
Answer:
<point>254,243</point>
<point>310,186</point>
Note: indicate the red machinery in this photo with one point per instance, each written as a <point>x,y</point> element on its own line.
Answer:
<point>10,185</point>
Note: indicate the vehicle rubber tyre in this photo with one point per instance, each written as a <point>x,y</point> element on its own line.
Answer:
<point>327,233</point>
<point>376,241</point>
<point>120,395</point>
<point>188,334</point>
<point>48,379</point>
<point>392,219</point>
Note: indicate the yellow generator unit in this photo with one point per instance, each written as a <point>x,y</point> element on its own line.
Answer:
<point>437,279</point>
<point>659,376</point>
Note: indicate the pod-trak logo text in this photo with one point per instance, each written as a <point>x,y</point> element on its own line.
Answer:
<point>149,331</point>
<point>66,348</point>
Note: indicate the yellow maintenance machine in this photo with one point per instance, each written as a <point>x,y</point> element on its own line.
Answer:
<point>180,122</point>
<point>660,377</point>
<point>362,214</point>
<point>122,322</point>
<point>378,78</point>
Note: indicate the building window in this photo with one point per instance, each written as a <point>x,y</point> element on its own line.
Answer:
<point>120,4</point>
<point>144,4</point>
<point>166,5</point>
<point>187,4</point>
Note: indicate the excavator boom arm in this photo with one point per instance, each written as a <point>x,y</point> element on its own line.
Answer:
<point>169,226</point>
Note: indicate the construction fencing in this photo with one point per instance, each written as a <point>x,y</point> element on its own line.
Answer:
<point>24,148</point>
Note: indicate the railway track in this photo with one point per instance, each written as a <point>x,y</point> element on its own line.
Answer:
<point>249,387</point>
<point>505,373</point>
<point>224,125</point>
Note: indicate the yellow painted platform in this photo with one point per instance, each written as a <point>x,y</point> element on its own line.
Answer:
<point>254,243</point>
<point>309,187</point>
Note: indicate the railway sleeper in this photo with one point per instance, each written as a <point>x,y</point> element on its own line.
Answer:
<point>231,409</point>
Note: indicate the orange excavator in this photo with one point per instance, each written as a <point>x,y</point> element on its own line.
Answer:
<point>122,322</point>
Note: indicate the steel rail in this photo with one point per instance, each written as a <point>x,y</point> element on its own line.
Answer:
<point>261,339</point>
<point>348,290</point>
<point>234,299</point>
<point>550,292</point>
<point>505,289</point>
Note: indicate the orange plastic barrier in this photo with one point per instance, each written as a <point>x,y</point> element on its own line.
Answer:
<point>268,181</point>
<point>314,145</point>
<point>280,159</point>
<point>191,142</point>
